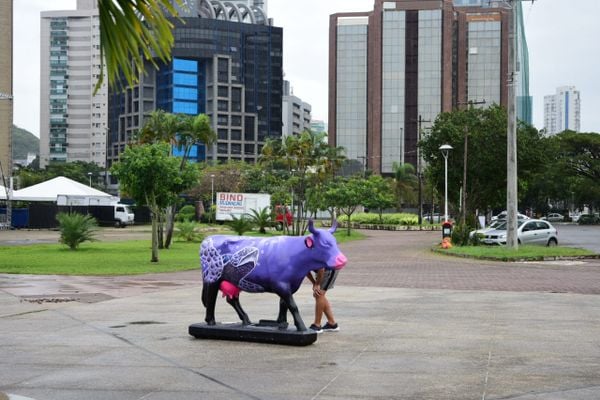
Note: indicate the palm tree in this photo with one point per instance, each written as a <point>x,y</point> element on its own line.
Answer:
<point>261,219</point>
<point>132,31</point>
<point>405,182</point>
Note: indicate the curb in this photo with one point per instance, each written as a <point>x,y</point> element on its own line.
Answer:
<point>524,259</point>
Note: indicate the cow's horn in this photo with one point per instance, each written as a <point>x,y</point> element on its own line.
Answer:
<point>311,227</point>
<point>333,226</point>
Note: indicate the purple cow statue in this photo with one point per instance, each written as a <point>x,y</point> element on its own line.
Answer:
<point>276,265</point>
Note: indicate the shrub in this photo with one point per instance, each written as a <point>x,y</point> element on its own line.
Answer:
<point>187,213</point>
<point>388,219</point>
<point>241,224</point>
<point>460,235</point>
<point>186,230</point>
<point>76,228</point>
<point>261,218</point>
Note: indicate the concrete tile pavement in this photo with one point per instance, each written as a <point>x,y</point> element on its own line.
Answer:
<point>482,331</point>
<point>394,344</point>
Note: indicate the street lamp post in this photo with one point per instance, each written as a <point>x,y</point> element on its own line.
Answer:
<point>445,149</point>
<point>89,174</point>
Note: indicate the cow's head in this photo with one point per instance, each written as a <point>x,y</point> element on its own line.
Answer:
<point>323,243</point>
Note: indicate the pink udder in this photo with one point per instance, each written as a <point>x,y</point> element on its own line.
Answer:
<point>230,290</point>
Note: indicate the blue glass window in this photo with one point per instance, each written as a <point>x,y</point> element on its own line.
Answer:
<point>185,79</point>
<point>185,93</point>
<point>185,107</point>
<point>180,64</point>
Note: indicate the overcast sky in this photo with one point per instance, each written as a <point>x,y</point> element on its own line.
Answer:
<point>563,40</point>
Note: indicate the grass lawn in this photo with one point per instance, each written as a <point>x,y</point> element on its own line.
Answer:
<point>502,253</point>
<point>130,257</point>
<point>97,258</point>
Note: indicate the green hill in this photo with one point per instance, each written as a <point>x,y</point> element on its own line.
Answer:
<point>23,142</point>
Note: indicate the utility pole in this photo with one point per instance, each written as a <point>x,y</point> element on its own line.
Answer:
<point>463,205</point>
<point>511,136</point>
<point>419,172</point>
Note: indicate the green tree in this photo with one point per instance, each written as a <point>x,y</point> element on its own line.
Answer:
<point>380,195</point>
<point>405,182</point>
<point>301,162</point>
<point>182,131</point>
<point>241,224</point>
<point>486,166</point>
<point>347,194</point>
<point>153,179</point>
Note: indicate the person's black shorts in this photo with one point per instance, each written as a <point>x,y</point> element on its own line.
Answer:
<point>329,279</point>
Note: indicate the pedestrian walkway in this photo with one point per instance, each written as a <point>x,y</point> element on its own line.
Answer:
<point>520,338</point>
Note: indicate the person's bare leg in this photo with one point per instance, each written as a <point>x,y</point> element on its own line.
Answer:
<point>328,311</point>
<point>320,304</point>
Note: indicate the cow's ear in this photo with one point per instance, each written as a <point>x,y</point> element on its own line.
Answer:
<point>309,242</point>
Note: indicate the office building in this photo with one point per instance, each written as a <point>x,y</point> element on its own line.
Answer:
<point>227,63</point>
<point>562,111</point>
<point>6,89</point>
<point>318,126</point>
<point>73,121</point>
<point>392,70</point>
<point>296,114</point>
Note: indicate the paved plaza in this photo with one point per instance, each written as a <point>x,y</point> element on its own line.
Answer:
<point>414,325</point>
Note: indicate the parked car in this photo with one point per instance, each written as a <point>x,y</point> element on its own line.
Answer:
<point>493,225</point>
<point>588,219</point>
<point>529,231</point>
<point>502,216</point>
<point>554,217</point>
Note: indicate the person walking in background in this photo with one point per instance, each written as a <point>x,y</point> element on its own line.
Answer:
<point>322,282</point>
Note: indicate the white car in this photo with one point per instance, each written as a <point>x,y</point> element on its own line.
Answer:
<point>529,231</point>
<point>502,216</point>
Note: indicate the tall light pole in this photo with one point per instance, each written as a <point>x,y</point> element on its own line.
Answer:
<point>445,149</point>
<point>89,174</point>
<point>511,136</point>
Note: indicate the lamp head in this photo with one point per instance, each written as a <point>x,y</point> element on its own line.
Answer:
<point>445,148</point>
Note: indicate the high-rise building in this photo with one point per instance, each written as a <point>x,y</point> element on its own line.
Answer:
<point>73,121</point>
<point>296,114</point>
<point>562,111</point>
<point>6,88</point>
<point>318,126</point>
<point>227,63</point>
<point>394,69</point>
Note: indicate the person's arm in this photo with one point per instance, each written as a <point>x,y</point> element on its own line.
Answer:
<point>317,282</point>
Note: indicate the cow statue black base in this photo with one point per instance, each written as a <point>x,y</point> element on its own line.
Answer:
<point>277,265</point>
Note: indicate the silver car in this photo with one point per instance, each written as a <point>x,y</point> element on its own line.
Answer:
<point>554,217</point>
<point>529,231</point>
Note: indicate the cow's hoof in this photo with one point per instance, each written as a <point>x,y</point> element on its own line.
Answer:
<point>282,325</point>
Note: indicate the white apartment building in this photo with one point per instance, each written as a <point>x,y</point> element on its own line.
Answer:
<point>562,111</point>
<point>73,121</point>
<point>295,114</point>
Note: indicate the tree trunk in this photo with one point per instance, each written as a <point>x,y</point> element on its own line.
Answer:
<point>154,238</point>
<point>170,225</point>
<point>160,230</point>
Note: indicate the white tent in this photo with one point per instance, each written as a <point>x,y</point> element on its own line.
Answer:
<point>2,193</point>
<point>60,186</point>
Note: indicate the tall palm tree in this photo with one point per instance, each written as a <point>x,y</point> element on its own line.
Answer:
<point>131,32</point>
<point>405,182</point>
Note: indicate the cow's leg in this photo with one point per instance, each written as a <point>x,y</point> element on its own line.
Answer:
<point>288,299</point>
<point>209,299</point>
<point>235,303</point>
<point>282,317</point>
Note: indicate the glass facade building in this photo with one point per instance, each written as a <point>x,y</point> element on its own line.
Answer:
<point>58,90</point>
<point>422,58</point>
<point>231,71</point>
<point>351,96</point>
